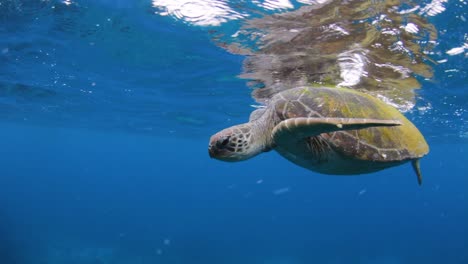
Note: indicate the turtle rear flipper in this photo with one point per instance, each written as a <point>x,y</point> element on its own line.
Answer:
<point>417,170</point>
<point>295,129</point>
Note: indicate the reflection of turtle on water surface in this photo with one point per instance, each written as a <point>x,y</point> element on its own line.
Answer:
<point>328,130</point>
<point>376,47</point>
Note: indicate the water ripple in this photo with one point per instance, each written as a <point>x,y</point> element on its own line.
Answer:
<point>434,8</point>
<point>274,4</point>
<point>353,66</point>
<point>197,12</point>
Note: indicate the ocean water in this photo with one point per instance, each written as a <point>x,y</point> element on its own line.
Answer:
<point>106,109</point>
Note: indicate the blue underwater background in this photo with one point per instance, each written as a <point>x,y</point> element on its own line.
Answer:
<point>106,109</point>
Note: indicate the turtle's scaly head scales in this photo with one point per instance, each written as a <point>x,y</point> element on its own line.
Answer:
<point>232,144</point>
<point>240,142</point>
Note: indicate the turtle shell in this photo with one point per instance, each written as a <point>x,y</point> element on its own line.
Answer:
<point>377,143</point>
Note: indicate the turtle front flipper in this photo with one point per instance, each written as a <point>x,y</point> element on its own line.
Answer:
<point>294,129</point>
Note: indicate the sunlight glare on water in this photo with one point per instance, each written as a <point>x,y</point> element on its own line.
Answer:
<point>198,12</point>
<point>274,4</point>
<point>387,48</point>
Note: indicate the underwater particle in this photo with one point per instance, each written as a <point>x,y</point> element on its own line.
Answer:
<point>260,181</point>
<point>5,51</point>
<point>248,195</point>
<point>281,191</point>
<point>464,134</point>
<point>159,251</point>
<point>190,120</point>
<point>83,91</point>
<point>167,242</point>
<point>361,192</point>
<point>424,109</point>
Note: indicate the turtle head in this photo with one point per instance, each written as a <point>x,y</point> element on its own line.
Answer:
<point>237,143</point>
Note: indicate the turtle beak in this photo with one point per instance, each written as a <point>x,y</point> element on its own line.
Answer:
<point>211,151</point>
<point>214,152</point>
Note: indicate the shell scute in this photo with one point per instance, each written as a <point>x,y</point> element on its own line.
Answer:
<point>375,143</point>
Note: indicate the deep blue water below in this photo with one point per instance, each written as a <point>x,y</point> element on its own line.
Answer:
<point>106,109</point>
<point>69,194</point>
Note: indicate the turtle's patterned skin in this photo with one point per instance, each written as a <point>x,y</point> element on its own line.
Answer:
<point>285,120</point>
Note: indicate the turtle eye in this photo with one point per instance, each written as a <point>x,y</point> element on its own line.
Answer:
<point>223,142</point>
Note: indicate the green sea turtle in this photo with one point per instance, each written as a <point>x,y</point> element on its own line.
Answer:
<point>328,130</point>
